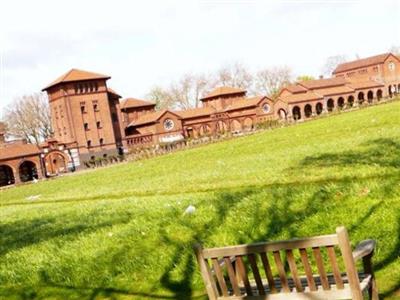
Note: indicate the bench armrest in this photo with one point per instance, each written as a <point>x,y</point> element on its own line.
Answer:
<point>364,248</point>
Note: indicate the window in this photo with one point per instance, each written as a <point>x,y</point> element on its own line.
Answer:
<point>86,126</point>
<point>80,88</point>
<point>375,69</point>
<point>169,124</point>
<point>98,124</point>
<point>83,107</point>
<point>101,142</point>
<point>89,143</point>
<point>96,87</point>
<point>266,108</point>
<point>76,88</point>
<point>392,66</point>
<point>95,106</point>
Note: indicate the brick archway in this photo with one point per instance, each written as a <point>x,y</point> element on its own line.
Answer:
<point>27,171</point>
<point>248,124</point>
<point>236,126</point>
<point>7,176</point>
<point>56,162</point>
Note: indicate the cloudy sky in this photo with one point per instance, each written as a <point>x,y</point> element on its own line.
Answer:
<point>143,43</point>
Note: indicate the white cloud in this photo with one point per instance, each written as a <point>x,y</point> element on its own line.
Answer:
<point>142,43</point>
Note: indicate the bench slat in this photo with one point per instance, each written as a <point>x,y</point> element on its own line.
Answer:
<point>232,276</point>
<point>308,270</point>
<point>281,271</point>
<point>256,273</point>
<point>268,272</point>
<point>220,277</point>
<point>293,270</point>
<point>319,241</point>
<point>321,270</point>
<point>241,268</point>
<point>335,267</point>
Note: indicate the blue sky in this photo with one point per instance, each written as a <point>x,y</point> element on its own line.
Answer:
<point>144,43</point>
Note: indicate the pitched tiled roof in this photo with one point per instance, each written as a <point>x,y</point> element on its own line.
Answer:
<point>223,90</point>
<point>308,96</point>
<point>76,75</point>
<point>323,83</point>
<point>358,85</point>
<point>195,112</point>
<point>111,91</point>
<point>133,102</point>
<point>151,117</point>
<point>18,150</point>
<point>359,63</point>
<point>245,102</point>
<point>336,90</point>
<point>295,88</point>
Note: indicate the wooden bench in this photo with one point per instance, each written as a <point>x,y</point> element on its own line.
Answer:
<point>259,271</point>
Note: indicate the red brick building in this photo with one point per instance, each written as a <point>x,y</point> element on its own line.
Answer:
<point>90,120</point>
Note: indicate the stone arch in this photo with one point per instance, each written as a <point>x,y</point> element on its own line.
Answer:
<point>282,114</point>
<point>236,126</point>
<point>340,103</point>
<point>308,110</point>
<point>370,96</point>
<point>56,162</point>
<point>6,175</point>
<point>360,98</point>
<point>350,101</point>
<point>330,104</point>
<point>319,108</point>
<point>248,124</point>
<point>379,94</point>
<point>296,113</point>
<point>27,171</point>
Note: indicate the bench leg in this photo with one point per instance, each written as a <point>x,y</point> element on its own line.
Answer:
<point>373,290</point>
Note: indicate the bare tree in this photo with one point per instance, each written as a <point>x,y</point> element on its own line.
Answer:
<point>331,63</point>
<point>235,75</point>
<point>29,117</point>
<point>183,94</point>
<point>270,80</point>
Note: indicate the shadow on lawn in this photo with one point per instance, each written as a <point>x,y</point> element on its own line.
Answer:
<point>381,153</point>
<point>280,217</point>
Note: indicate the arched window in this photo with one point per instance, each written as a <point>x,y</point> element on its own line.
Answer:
<point>101,141</point>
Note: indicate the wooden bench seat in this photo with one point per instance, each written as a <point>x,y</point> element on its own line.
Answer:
<point>296,269</point>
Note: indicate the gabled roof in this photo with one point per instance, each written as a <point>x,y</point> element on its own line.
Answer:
<point>151,117</point>
<point>308,96</point>
<point>358,85</point>
<point>364,62</point>
<point>322,83</point>
<point>245,102</point>
<point>222,91</point>
<point>76,75</point>
<point>195,112</point>
<point>133,102</point>
<point>18,150</point>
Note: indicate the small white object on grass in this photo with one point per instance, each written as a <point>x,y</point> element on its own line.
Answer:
<point>190,210</point>
<point>32,198</point>
<point>35,180</point>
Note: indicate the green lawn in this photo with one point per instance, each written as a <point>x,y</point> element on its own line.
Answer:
<point>120,232</point>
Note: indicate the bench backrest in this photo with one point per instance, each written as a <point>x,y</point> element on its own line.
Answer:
<point>229,271</point>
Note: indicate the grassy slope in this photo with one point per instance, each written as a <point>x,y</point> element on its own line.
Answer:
<point>120,232</point>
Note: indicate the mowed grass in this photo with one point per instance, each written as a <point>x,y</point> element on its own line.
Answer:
<point>121,232</point>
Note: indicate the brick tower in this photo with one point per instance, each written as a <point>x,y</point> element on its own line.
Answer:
<point>85,114</point>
